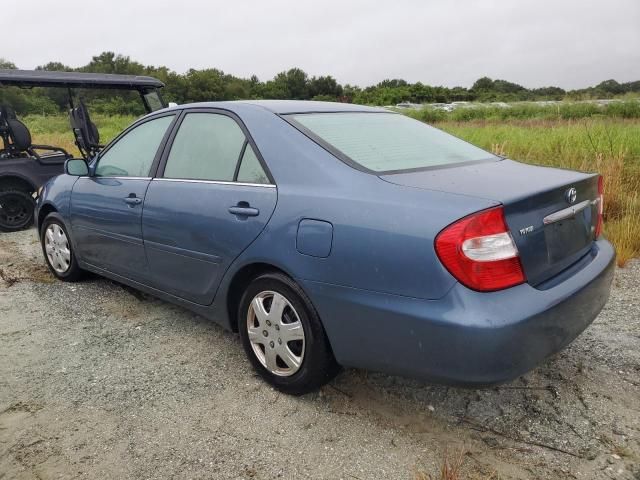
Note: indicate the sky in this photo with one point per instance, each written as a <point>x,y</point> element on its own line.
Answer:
<point>566,43</point>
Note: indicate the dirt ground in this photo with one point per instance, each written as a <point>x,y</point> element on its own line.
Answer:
<point>99,381</point>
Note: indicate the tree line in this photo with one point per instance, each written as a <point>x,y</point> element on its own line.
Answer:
<point>213,84</point>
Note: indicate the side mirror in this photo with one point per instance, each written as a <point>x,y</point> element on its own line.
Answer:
<point>76,167</point>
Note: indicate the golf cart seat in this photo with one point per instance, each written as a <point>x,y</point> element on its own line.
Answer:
<point>85,131</point>
<point>17,139</point>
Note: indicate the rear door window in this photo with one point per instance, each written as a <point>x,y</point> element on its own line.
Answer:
<point>206,147</point>
<point>251,170</point>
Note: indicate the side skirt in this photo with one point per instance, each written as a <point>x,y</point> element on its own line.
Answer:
<point>207,311</point>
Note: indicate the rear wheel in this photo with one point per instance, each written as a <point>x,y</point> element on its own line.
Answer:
<point>58,251</point>
<point>283,336</point>
<point>16,210</point>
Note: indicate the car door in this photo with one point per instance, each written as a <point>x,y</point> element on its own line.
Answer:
<point>212,197</point>
<point>106,207</point>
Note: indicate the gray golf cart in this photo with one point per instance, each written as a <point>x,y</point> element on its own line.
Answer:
<point>24,167</point>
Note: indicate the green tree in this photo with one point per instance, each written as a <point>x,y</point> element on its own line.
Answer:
<point>482,84</point>
<point>611,86</point>
<point>109,62</point>
<point>237,89</point>
<point>55,67</point>
<point>204,85</point>
<point>213,84</point>
<point>291,84</point>
<point>6,64</point>
<point>326,87</point>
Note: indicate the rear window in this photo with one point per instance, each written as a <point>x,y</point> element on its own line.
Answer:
<point>386,142</point>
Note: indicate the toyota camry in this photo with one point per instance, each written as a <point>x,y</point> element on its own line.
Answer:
<point>333,235</point>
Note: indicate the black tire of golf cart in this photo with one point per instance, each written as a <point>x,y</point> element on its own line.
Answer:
<point>16,210</point>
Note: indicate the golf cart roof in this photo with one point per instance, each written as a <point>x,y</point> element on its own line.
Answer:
<point>44,78</point>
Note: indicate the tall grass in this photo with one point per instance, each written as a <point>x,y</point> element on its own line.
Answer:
<point>55,129</point>
<point>523,110</point>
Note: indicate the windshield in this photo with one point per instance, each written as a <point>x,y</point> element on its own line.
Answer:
<point>386,142</point>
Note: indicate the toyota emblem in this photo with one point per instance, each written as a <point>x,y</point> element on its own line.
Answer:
<point>570,195</point>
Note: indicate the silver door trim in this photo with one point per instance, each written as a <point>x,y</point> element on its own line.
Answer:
<point>116,177</point>
<point>215,182</point>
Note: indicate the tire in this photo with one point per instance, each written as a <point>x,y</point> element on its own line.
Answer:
<point>287,347</point>
<point>16,210</point>
<point>57,249</point>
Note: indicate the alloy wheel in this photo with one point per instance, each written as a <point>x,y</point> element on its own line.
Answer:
<point>56,246</point>
<point>275,333</point>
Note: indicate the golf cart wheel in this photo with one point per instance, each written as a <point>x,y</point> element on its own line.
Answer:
<point>16,210</point>
<point>283,336</point>
<point>58,250</point>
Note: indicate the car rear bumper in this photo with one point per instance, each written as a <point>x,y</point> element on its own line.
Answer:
<point>466,337</point>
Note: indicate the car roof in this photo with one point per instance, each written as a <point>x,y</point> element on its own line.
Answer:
<point>44,78</point>
<point>283,107</point>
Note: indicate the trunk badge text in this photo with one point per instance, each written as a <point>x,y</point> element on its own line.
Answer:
<point>526,230</point>
<point>570,195</point>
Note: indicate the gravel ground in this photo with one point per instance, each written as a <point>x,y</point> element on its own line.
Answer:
<point>99,381</point>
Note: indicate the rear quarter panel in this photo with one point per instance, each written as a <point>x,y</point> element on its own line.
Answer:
<point>382,233</point>
<point>382,237</point>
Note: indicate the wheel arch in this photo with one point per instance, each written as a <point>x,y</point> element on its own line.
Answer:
<point>238,284</point>
<point>45,210</point>
<point>241,280</point>
<point>16,181</point>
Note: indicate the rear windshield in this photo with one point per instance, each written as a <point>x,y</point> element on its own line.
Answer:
<point>387,142</point>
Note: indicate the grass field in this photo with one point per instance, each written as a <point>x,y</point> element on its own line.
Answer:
<point>629,108</point>
<point>604,144</point>
<point>55,129</point>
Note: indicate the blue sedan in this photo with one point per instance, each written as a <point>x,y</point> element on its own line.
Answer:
<point>333,235</point>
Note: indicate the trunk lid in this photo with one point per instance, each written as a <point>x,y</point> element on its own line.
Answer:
<point>551,227</point>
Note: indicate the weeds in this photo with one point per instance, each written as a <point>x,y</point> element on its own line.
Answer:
<point>624,231</point>
<point>452,465</point>
<point>55,130</point>
<point>450,468</point>
<point>525,110</point>
<point>8,278</point>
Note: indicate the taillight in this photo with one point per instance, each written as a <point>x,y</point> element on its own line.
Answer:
<point>600,220</point>
<point>479,251</point>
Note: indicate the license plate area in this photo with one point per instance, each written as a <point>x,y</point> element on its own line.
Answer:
<point>567,237</point>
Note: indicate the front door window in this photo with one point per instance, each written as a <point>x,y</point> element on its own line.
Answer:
<point>133,154</point>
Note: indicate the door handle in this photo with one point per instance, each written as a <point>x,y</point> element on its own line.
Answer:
<point>132,201</point>
<point>244,211</point>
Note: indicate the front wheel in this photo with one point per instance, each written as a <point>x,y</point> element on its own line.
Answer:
<point>283,336</point>
<point>16,210</point>
<point>58,250</point>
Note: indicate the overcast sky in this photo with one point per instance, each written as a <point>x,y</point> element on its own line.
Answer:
<point>568,43</point>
